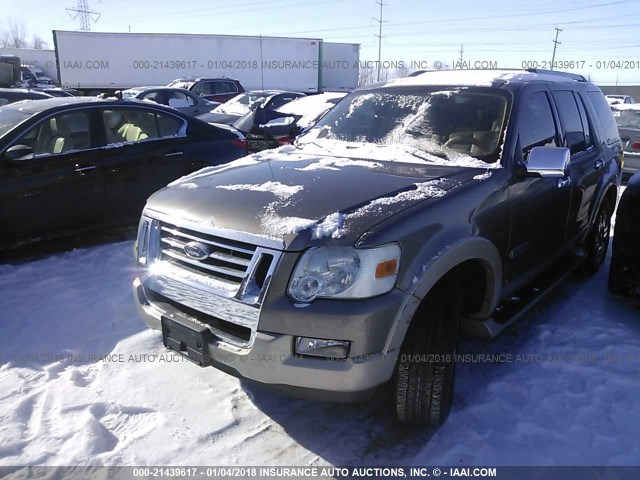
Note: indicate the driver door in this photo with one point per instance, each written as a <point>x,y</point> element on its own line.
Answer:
<point>539,207</point>
<point>57,187</point>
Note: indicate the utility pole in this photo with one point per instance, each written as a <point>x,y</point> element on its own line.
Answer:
<point>85,15</point>
<point>379,20</point>
<point>555,44</point>
<point>461,52</point>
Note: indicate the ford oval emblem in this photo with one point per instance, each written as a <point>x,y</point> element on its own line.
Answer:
<point>196,250</point>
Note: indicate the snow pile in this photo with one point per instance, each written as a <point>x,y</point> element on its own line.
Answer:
<point>483,176</point>
<point>311,107</point>
<point>329,227</point>
<point>277,226</point>
<point>278,189</point>
<point>329,163</point>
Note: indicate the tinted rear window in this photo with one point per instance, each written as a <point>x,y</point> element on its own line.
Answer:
<point>604,117</point>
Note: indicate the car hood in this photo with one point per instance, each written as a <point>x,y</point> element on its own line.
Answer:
<point>300,199</point>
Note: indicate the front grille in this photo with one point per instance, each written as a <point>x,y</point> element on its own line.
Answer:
<point>227,260</point>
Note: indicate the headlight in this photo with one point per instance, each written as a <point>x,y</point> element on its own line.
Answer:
<point>148,242</point>
<point>344,272</point>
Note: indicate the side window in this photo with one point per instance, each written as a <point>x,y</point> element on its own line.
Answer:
<point>129,124</point>
<point>537,127</point>
<point>179,99</point>
<point>223,87</point>
<point>586,127</point>
<point>169,125</point>
<point>153,96</point>
<point>605,117</point>
<point>203,88</point>
<point>59,134</point>
<point>570,121</point>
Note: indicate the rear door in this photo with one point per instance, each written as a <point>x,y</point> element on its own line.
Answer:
<point>144,150</point>
<point>587,165</point>
<point>61,187</point>
<point>539,206</point>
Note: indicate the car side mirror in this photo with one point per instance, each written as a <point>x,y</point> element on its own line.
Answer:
<point>548,162</point>
<point>19,152</point>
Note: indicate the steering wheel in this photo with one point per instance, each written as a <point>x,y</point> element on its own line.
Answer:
<point>458,139</point>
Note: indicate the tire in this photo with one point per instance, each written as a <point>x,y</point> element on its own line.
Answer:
<point>597,241</point>
<point>423,382</point>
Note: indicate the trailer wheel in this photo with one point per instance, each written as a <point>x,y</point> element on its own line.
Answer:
<point>423,383</point>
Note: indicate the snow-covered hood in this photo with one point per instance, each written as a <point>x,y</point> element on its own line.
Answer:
<point>299,198</point>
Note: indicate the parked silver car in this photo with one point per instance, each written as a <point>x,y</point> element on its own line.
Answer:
<point>628,121</point>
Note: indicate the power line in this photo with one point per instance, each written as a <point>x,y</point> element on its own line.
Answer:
<point>85,15</point>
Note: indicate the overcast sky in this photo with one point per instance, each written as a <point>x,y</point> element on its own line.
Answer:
<point>594,33</point>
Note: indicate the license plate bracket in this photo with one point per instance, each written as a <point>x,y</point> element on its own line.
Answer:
<point>187,339</point>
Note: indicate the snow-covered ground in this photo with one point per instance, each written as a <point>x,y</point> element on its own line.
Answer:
<point>83,381</point>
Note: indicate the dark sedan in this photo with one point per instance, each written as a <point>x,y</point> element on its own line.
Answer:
<point>67,164</point>
<point>177,98</point>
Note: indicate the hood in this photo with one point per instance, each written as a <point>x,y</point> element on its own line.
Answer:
<point>301,199</point>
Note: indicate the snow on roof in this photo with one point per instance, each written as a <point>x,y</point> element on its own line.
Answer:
<point>473,78</point>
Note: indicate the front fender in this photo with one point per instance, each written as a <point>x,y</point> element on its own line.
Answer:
<point>434,269</point>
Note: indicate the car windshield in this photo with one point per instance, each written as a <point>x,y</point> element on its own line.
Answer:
<point>627,118</point>
<point>10,117</point>
<point>440,122</point>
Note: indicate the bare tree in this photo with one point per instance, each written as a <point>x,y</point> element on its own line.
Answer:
<point>401,72</point>
<point>369,73</point>
<point>38,43</point>
<point>17,35</point>
<point>4,39</point>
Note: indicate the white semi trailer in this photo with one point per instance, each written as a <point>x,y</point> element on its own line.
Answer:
<point>93,61</point>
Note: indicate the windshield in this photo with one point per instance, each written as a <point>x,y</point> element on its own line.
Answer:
<point>627,118</point>
<point>10,117</point>
<point>432,120</point>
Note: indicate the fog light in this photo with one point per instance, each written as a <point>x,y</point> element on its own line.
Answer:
<point>318,347</point>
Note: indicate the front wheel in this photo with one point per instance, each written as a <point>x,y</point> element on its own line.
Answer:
<point>424,374</point>
<point>598,240</point>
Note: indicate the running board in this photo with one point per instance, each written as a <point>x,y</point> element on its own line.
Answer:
<point>523,300</point>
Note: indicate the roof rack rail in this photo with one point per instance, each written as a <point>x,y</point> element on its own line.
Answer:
<point>575,76</point>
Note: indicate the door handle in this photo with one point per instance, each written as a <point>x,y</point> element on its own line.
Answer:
<point>563,182</point>
<point>173,154</point>
<point>80,169</point>
<point>599,164</point>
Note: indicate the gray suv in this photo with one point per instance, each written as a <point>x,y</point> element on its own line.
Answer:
<point>413,211</point>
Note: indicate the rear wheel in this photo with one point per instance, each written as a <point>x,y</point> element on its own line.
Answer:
<point>424,375</point>
<point>598,240</point>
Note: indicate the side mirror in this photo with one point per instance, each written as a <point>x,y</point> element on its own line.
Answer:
<point>548,162</point>
<point>19,152</point>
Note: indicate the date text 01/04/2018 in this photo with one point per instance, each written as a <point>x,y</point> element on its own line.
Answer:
<point>580,64</point>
